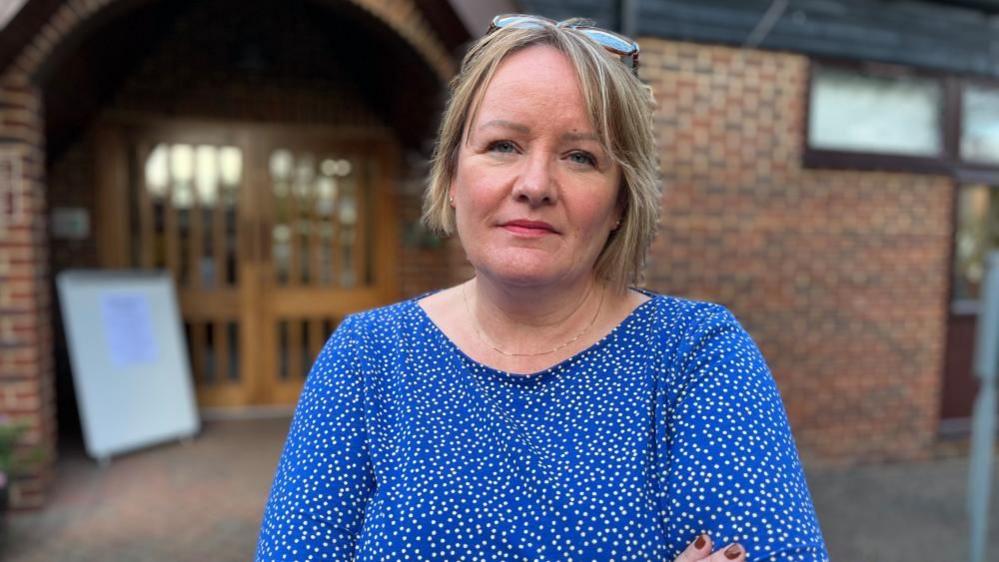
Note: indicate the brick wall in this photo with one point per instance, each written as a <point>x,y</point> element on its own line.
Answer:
<point>840,276</point>
<point>26,393</point>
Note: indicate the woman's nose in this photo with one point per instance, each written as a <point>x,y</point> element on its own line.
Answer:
<point>536,186</point>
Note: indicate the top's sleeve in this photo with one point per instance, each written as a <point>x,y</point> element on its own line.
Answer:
<point>731,468</point>
<point>324,478</point>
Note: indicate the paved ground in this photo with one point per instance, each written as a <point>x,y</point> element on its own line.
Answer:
<point>901,512</point>
<point>177,502</point>
<point>203,500</point>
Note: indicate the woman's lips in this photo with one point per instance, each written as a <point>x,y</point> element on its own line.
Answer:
<point>528,228</point>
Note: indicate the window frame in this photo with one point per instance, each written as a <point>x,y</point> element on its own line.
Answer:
<point>984,84</point>
<point>948,162</point>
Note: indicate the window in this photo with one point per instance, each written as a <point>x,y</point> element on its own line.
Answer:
<point>980,125</point>
<point>861,113</point>
<point>870,116</point>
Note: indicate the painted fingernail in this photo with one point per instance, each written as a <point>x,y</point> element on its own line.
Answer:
<point>733,552</point>
<point>700,542</point>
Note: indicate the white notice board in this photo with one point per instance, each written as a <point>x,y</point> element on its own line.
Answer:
<point>129,359</point>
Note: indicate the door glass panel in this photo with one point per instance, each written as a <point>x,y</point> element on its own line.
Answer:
<point>303,191</point>
<point>156,181</point>
<point>329,324</point>
<point>318,213</point>
<point>157,171</point>
<point>283,350</point>
<point>305,349</point>
<point>326,192</point>
<point>281,167</point>
<point>232,349</point>
<point>196,365</point>
<point>209,361</point>
<point>182,200</point>
<point>190,201</point>
<point>230,176</point>
<point>206,182</point>
<point>976,234</point>
<point>347,224</point>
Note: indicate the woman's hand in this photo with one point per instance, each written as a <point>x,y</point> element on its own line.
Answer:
<point>700,551</point>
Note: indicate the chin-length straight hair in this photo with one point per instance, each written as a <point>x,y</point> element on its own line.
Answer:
<point>620,108</point>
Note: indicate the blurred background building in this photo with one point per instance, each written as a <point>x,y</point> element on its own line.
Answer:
<point>831,170</point>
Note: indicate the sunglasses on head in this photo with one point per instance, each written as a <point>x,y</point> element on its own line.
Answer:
<point>617,44</point>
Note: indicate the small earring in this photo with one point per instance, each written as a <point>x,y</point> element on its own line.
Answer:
<point>617,225</point>
<point>451,200</point>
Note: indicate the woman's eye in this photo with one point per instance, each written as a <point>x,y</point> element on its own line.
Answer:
<point>583,158</point>
<point>502,146</point>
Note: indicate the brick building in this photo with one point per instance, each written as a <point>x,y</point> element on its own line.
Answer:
<point>271,155</point>
<point>829,174</point>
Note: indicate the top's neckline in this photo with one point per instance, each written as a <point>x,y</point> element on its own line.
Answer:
<point>538,376</point>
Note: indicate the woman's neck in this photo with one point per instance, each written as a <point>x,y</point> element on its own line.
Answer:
<point>532,320</point>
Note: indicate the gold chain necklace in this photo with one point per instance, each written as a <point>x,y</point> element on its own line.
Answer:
<point>487,341</point>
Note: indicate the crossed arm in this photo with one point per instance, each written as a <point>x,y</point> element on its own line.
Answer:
<point>730,470</point>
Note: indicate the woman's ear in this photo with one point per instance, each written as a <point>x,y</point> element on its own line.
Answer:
<point>619,208</point>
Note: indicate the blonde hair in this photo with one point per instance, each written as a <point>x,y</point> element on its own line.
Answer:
<point>620,108</point>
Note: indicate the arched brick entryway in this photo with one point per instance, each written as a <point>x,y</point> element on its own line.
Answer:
<point>26,340</point>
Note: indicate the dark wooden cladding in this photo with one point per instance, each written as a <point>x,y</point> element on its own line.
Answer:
<point>955,37</point>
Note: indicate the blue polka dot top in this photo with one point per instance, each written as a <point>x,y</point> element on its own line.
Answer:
<point>402,448</point>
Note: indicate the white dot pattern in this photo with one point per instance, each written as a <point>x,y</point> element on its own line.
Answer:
<point>403,448</point>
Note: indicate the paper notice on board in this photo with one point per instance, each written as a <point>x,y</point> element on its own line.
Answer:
<point>128,328</point>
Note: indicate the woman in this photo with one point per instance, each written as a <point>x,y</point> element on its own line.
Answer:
<point>542,410</point>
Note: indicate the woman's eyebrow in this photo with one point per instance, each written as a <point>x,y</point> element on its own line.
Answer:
<point>521,128</point>
<point>504,124</point>
<point>580,136</point>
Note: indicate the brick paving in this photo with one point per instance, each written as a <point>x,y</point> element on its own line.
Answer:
<point>200,500</point>
<point>203,500</point>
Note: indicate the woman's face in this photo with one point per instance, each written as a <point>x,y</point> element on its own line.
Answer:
<point>534,193</point>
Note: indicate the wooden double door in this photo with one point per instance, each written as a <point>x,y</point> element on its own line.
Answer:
<point>272,234</point>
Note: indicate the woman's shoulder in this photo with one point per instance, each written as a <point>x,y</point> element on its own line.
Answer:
<point>384,320</point>
<point>685,313</point>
